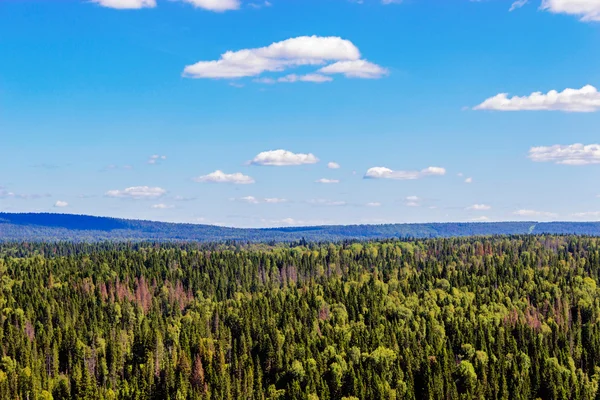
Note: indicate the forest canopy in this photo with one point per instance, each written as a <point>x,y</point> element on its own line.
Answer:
<point>463,318</point>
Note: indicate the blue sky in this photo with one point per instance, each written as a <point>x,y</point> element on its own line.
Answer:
<point>405,97</point>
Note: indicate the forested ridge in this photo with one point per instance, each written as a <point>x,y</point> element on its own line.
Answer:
<point>49,227</point>
<point>462,318</point>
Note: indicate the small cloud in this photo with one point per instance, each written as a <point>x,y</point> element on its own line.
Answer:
<point>236,85</point>
<point>412,201</point>
<point>282,157</point>
<point>183,198</point>
<point>587,214</point>
<point>221,177</point>
<point>126,4</point>
<point>586,99</point>
<point>260,5</point>
<point>469,180</point>
<point>156,159</point>
<point>266,200</point>
<point>574,154</point>
<point>460,174</point>
<point>333,165</point>
<point>373,204</point>
<point>386,173</point>
<point>534,213</point>
<point>137,192</point>
<point>327,181</point>
<point>479,207</point>
<point>483,218</point>
<point>162,206</point>
<point>215,5</point>
<point>61,204</point>
<point>325,202</point>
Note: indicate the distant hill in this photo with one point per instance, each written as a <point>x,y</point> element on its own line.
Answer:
<point>58,227</point>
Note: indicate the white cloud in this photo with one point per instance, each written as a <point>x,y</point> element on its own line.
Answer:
<point>215,5</point>
<point>574,154</point>
<point>281,157</point>
<point>586,99</point>
<point>221,177</point>
<point>61,204</point>
<point>290,53</point>
<point>386,173</point>
<point>469,180</point>
<point>325,202</point>
<point>412,201</point>
<point>534,213</point>
<point>373,204</point>
<point>266,200</point>
<point>138,192</point>
<point>386,2</point>
<point>315,78</point>
<point>162,206</point>
<point>183,198</point>
<point>156,159</point>
<point>483,218</point>
<point>588,10</point>
<point>517,4</point>
<point>588,214</point>
<point>327,181</point>
<point>126,4</point>
<point>355,69</point>
<point>333,165</point>
<point>479,207</point>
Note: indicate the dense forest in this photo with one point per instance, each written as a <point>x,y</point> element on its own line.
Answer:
<point>463,318</point>
<point>84,228</point>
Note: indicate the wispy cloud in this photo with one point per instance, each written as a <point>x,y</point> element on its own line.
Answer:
<point>535,213</point>
<point>327,181</point>
<point>156,159</point>
<point>386,173</point>
<point>137,192</point>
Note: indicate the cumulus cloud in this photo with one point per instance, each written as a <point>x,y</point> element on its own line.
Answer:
<point>333,165</point>
<point>587,10</point>
<point>162,206</point>
<point>221,177</point>
<point>137,192</point>
<point>574,154</point>
<point>290,53</point>
<point>479,207</point>
<point>327,181</point>
<point>534,213</point>
<point>279,158</point>
<point>265,200</point>
<point>215,5</point>
<point>586,99</point>
<point>61,204</point>
<point>156,159</point>
<point>469,180</point>
<point>355,69</point>
<point>517,4</point>
<point>126,4</point>
<point>386,173</point>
